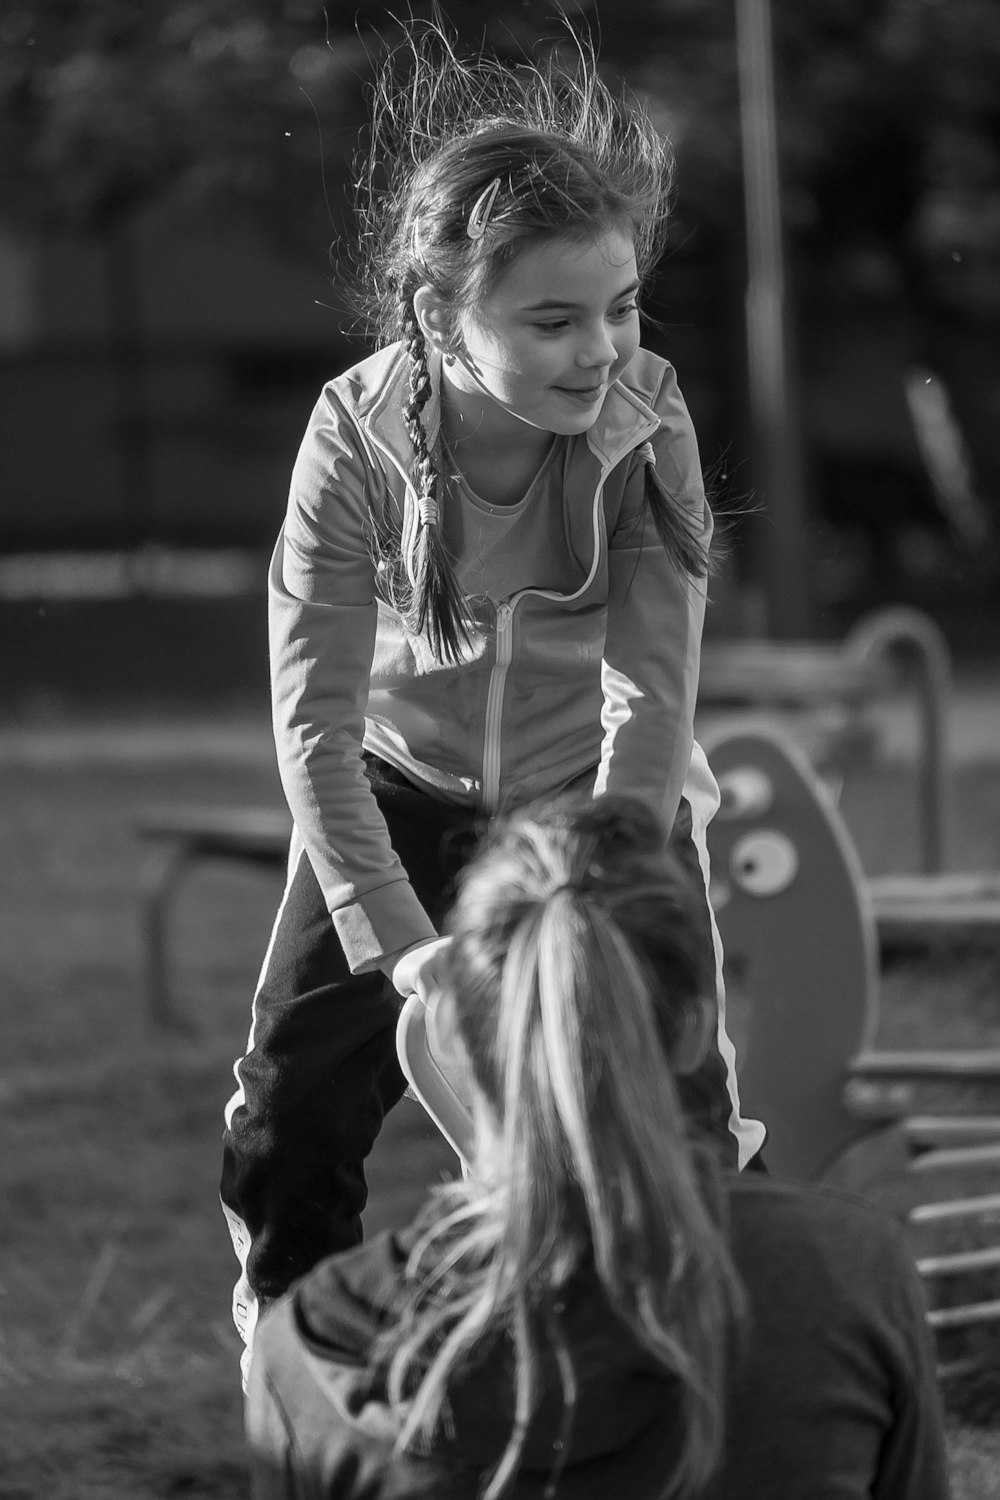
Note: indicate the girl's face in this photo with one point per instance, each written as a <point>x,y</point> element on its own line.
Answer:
<point>559,325</point>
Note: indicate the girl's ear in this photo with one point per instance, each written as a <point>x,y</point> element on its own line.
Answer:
<point>433,317</point>
<point>693,1043</point>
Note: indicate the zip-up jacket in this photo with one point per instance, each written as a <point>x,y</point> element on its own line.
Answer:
<point>598,681</point>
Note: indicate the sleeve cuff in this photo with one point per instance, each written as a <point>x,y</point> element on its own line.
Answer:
<point>381,922</point>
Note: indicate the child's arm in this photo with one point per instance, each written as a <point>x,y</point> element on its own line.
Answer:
<point>656,612</point>
<point>322,635</point>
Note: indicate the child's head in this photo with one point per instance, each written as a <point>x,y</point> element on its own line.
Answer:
<point>577,978</point>
<point>475,165</point>
<point>483,160</point>
<point>576,916</point>
<point>544,345</point>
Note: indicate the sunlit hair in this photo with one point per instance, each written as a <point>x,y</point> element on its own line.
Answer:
<point>573,161</point>
<point>577,964</point>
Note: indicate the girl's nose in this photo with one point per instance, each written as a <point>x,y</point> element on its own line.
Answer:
<point>597,350</point>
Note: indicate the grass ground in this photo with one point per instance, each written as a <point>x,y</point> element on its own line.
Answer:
<point>118,1361</point>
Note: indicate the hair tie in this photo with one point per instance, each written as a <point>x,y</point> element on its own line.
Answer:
<point>645,452</point>
<point>482,208</point>
<point>427,510</point>
<point>571,888</point>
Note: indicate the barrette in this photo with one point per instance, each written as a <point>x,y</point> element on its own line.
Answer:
<point>482,208</point>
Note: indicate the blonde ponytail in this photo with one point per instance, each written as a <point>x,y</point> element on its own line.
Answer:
<point>569,1014</point>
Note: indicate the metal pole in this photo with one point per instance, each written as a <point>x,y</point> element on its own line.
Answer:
<point>777,459</point>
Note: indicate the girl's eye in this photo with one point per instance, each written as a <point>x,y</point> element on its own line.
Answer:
<point>559,325</point>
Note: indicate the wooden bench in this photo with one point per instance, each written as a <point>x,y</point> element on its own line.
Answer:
<point>180,837</point>
<point>936,910</point>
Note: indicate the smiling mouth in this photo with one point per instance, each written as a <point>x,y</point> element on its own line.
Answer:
<point>581,392</point>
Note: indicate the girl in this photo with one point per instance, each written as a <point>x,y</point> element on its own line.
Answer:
<point>489,587</point>
<point>563,1321</point>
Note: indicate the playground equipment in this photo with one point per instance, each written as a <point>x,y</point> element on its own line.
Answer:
<point>822,692</point>
<point>435,1075</point>
<point>826,694</point>
<point>797,927</point>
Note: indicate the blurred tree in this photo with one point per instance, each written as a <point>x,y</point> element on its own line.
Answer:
<point>106,105</point>
<point>889,122</point>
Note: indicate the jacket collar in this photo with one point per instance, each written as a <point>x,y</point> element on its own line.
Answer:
<point>626,418</point>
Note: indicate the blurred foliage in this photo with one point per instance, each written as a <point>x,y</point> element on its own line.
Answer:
<point>890,111</point>
<point>106,105</point>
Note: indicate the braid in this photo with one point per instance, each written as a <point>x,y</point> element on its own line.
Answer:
<point>420,393</point>
<point>417,574</point>
<point>676,529</point>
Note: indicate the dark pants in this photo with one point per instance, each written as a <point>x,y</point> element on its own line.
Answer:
<point>321,1073</point>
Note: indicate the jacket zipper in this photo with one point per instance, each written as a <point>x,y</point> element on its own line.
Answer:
<point>504,654</point>
<point>505,631</point>
<point>494,707</point>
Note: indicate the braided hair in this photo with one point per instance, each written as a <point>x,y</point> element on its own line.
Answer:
<point>436,602</point>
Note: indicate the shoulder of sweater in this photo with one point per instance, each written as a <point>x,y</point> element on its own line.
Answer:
<point>766,1212</point>
<point>364,384</point>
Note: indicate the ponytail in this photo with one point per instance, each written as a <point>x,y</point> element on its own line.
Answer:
<point>600,1102</point>
<point>418,575</point>
<point>568,1015</point>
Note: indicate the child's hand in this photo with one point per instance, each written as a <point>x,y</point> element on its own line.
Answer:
<point>419,970</point>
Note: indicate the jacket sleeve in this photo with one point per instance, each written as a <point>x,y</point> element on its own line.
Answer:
<point>652,653</point>
<point>322,620</point>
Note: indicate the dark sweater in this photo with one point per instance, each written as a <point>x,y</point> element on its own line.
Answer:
<point>834,1397</point>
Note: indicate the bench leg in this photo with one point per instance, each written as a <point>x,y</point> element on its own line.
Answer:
<point>158,883</point>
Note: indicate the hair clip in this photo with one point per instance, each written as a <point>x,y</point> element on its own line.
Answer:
<point>482,208</point>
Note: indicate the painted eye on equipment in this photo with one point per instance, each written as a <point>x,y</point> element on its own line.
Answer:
<point>745,791</point>
<point>764,864</point>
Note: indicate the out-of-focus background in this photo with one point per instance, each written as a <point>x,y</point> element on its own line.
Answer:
<point>175,241</point>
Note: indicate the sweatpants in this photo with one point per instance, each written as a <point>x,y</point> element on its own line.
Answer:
<point>320,1071</point>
